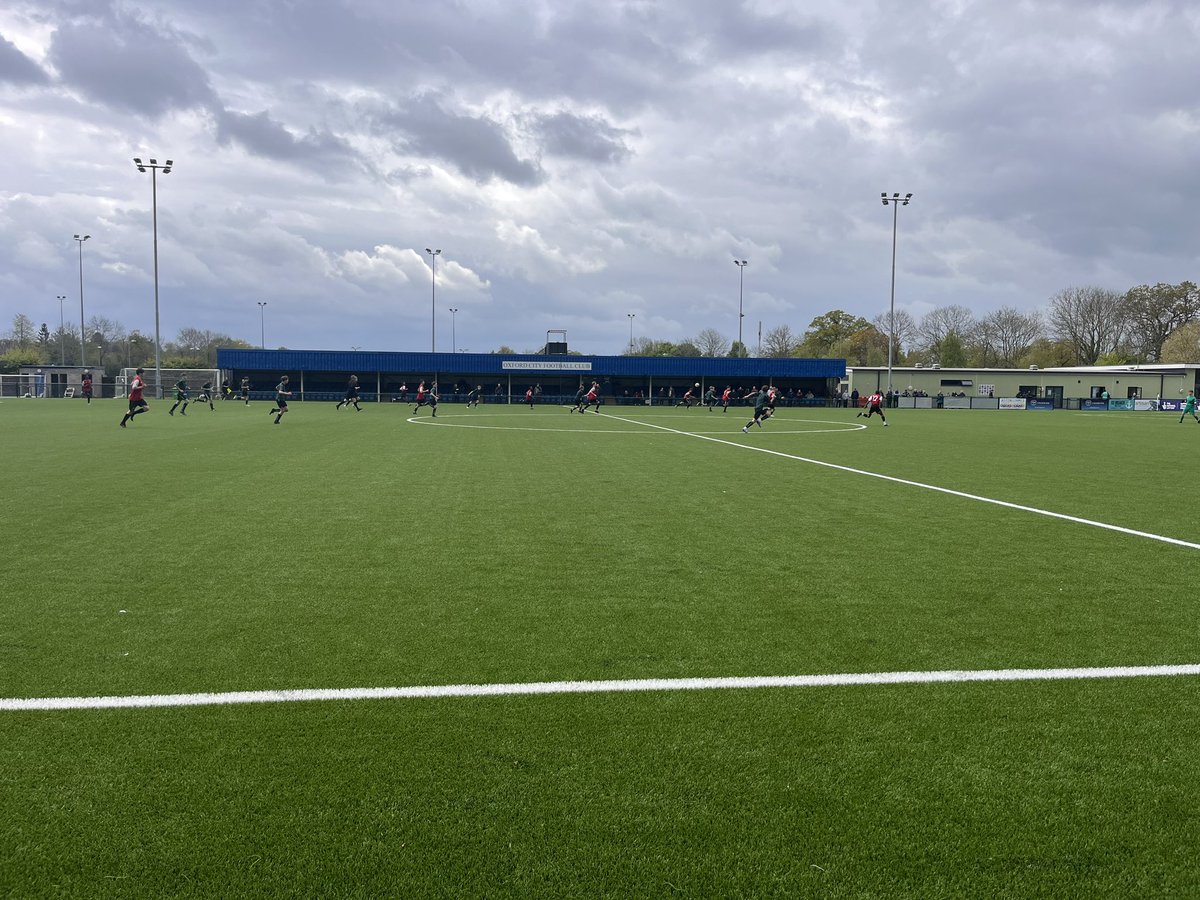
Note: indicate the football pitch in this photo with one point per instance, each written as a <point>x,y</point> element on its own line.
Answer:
<point>525,653</point>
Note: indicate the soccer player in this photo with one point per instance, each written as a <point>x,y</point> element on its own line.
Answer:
<point>428,398</point>
<point>422,397</point>
<point>726,395</point>
<point>181,396</point>
<point>764,407</point>
<point>351,394</point>
<point>529,396</point>
<point>710,397</point>
<point>473,396</point>
<point>206,394</point>
<point>1189,407</point>
<point>579,395</point>
<point>281,398</point>
<point>592,396</point>
<point>226,390</point>
<point>87,386</point>
<point>874,405</point>
<point>246,391</point>
<point>688,397</point>
<point>137,403</point>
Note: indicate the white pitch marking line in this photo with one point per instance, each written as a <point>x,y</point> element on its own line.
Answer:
<point>841,427</point>
<point>929,487</point>
<point>953,676</point>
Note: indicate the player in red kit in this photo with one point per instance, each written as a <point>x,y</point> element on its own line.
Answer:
<point>874,405</point>
<point>137,404</point>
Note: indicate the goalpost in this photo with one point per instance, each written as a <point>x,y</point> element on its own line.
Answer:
<point>195,379</point>
<point>24,385</point>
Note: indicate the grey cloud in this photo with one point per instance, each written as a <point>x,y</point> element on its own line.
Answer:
<point>476,146</point>
<point>16,67</point>
<point>581,137</point>
<point>261,134</point>
<point>127,64</point>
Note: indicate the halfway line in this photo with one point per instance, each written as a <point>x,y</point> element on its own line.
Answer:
<point>591,687</point>
<point>929,487</point>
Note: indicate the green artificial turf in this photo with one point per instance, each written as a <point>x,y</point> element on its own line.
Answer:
<point>219,552</point>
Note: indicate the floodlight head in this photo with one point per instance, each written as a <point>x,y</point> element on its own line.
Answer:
<point>883,194</point>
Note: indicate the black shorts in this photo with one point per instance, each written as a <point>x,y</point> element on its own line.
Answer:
<point>138,404</point>
<point>282,404</point>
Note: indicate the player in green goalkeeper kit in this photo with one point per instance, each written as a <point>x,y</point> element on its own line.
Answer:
<point>1189,407</point>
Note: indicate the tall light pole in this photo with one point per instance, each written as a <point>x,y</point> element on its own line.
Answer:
<point>741,264</point>
<point>82,352</point>
<point>262,324</point>
<point>453,332</point>
<point>631,317</point>
<point>896,202</point>
<point>153,166</point>
<point>62,331</point>
<point>433,255</point>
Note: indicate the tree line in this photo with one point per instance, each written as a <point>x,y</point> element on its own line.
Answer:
<point>1081,326</point>
<point>109,346</point>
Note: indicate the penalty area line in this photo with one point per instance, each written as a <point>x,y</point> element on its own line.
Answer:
<point>644,685</point>
<point>1149,535</point>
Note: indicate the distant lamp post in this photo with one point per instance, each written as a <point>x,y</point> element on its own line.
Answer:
<point>433,255</point>
<point>741,264</point>
<point>262,324</point>
<point>100,353</point>
<point>631,318</point>
<point>896,202</point>
<point>154,168</point>
<point>82,352</point>
<point>453,332</point>
<point>62,331</point>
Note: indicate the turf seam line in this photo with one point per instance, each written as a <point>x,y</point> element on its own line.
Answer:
<point>643,685</point>
<point>929,487</point>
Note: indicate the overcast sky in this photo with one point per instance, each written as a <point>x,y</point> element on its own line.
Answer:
<point>577,161</point>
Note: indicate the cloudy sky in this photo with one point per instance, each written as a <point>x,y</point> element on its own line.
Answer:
<point>577,161</point>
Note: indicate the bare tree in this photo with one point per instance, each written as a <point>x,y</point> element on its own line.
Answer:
<point>712,343</point>
<point>104,328</point>
<point>1004,336</point>
<point>1090,319</point>
<point>779,342</point>
<point>938,323</point>
<point>906,329</point>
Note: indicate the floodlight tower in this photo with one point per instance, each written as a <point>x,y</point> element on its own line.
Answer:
<point>741,264</point>
<point>82,352</point>
<point>433,255</point>
<point>154,168</point>
<point>896,202</point>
